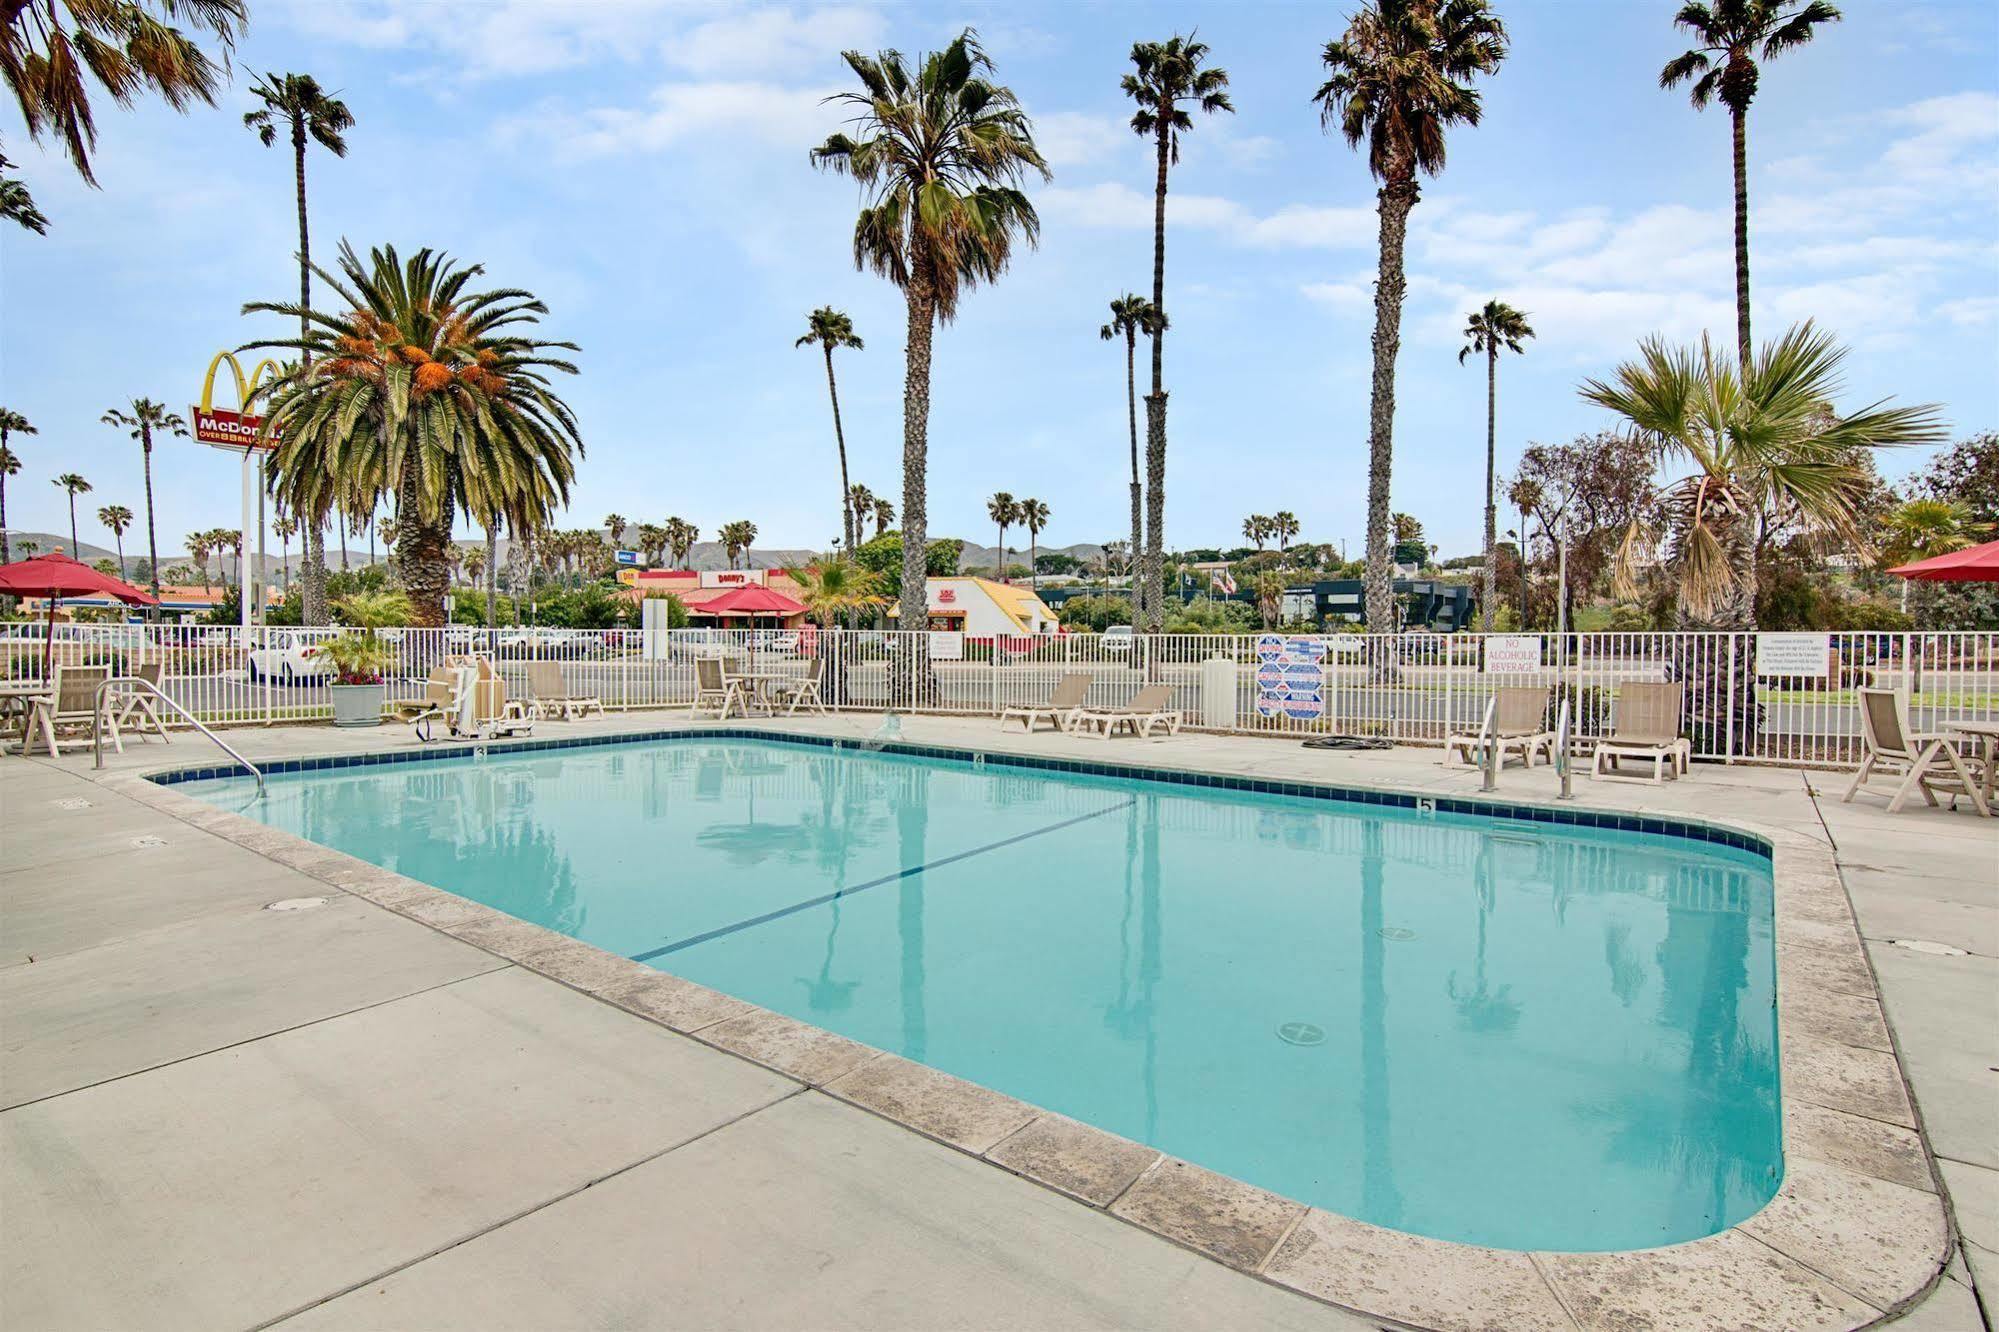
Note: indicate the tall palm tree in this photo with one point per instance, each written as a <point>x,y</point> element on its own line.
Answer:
<point>884,515</point>
<point>296,102</point>
<point>117,517</point>
<point>1003,509</point>
<point>48,46</point>
<point>286,527</point>
<point>72,485</point>
<point>232,539</point>
<point>1731,34</point>
<point>737,538</point>
<point>651,541</point>
<point>1132,315</point>
<point>1167,78</point>
<point>680,537</point>
<point>1398,79</point>
<point>827,328</point>
<point>1256,529</point>
<point>1919,529</point>
<point>860,504</point>
<point>11,423</point>
<point>1034,517</point>
<point>615,524</point>
<point>1283,526</point>
<point>940,151</point>
<point>142,420</point>
<point>1486,331</point>
<point>427,390</point>
<point>198,546</point>
<point>1746,447</point>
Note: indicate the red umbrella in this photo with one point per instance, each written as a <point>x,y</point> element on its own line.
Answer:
<point>751,600</point>
<point>1973,564</point>
<point>54,576</point>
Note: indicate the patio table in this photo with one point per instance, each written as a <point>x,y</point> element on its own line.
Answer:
<point>756,687</point>
<point>16,700</point>
<point>1986,733</point>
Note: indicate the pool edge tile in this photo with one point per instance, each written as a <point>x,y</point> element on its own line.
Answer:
<point>1080,1160</point>
<point>1236,1224</point>
<point>936,1104</point>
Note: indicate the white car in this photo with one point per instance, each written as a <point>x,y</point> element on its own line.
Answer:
<point>1118,638</point>
<point>295,655</point>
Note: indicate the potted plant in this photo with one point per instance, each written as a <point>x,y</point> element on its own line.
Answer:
<point>361,655</point>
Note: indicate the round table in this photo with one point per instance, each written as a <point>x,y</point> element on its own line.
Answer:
<point>1987,735</point>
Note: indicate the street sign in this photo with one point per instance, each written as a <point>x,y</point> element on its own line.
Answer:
<point>1512,654</point>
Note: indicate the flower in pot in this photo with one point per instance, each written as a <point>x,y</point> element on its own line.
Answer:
<point>361,656</point>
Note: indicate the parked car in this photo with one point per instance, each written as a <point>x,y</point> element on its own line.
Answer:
<point>294,656</point>
<point>1118,638</point>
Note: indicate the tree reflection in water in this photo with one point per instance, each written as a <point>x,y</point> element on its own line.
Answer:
<point>1482,1009</point>
<point>1382,1199</point>
<point>912,825</point>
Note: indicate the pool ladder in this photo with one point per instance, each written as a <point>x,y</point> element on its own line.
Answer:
<point>1489,749</point>
<point>97,724</point>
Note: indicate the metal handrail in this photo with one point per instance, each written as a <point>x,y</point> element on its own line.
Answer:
<point>97,724</point>
<point>1562,764</point>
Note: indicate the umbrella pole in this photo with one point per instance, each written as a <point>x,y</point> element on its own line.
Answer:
<point>49,640</point>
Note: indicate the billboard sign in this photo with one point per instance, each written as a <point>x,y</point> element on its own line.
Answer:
<point>229,430</point>
<point>732,577</point>
<point>625,557</point>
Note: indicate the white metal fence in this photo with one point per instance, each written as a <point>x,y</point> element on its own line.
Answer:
<point>1795,700</point>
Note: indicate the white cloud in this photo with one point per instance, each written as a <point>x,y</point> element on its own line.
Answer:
<point>1299,226</point>
<point>1074,138</point>
<point>1356,293</point>
<point>1295,226</point>
<point>499,37</point>
<point>796,117</point>
<point>766,41</point>
<point>1971,311</point>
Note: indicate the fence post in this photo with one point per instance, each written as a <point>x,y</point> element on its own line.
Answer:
<point>1728,703</point>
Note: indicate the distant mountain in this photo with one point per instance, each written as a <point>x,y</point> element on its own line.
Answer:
<point>45,542</point>
<point>976,556</point>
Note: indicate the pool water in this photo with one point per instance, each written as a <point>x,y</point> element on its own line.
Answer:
<point>1528,1036</point>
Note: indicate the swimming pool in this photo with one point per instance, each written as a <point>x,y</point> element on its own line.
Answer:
<point>1523,1035</point>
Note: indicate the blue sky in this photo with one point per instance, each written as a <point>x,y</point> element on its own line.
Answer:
<point>641,165</point>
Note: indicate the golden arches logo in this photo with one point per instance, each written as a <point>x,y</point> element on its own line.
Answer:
<point>222,427</point>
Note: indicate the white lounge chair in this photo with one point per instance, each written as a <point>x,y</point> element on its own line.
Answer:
<point>1149,707</point>
<point>1061,708</point>
<point>716,693</point>
<point>1645,725</point>
<point>552,695</point>
<point>66,714</point>
<point>1919,758</point>
<point>1519,723</point>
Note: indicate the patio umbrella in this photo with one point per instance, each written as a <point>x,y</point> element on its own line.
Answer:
<point>1973,564</point>
<point>54,576</point>
<point>752,600</point>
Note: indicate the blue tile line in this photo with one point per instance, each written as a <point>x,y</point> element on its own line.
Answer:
<point>1479,807</point>
<point>850,891</point>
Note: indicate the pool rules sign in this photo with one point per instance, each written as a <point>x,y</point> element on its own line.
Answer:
<point>1290,677</point>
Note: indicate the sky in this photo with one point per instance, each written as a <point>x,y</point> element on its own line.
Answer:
<point>642,166</point>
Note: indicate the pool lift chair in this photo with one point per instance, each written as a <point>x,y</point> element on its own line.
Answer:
<point>452,696</point>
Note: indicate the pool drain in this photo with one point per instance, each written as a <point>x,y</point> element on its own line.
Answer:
<point>1396,933</point>
<point>296,904</point>
<point>1301,1033</point>
<point>149,841</point>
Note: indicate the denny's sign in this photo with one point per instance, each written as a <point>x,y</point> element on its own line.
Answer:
<point>226,428</point>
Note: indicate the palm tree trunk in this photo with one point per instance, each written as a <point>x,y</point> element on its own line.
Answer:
<point>152,538</point>
<point>1489,597</point>
<point>1034,559</point>
<point>312,561</point>
<point>913,610</point>
<point>6,538</point>
<point>999,557</point>
<point>840,439</point>
<point>1155,404</point>
<point>1720,673</point>
<point>492,573</point>
<point>312,573</point>
<point>117,539</point>
<point>1137,488</point>
<point>1740,117</point>
<point>1378,587</point>
<point>421,553</point>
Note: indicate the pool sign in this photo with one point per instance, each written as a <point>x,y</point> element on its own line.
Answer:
<point>1290,677</point>
<point>1792,654</point>
<point>1512,654</point>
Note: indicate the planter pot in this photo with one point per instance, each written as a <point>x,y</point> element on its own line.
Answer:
<point>358,704</point>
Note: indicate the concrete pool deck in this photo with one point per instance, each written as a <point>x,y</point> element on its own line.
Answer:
<point>345,1115</point>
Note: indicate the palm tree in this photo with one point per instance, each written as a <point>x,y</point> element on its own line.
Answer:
<point>286,527</point>
<point>28,548</point>
<point>1486,331</point>
<point>1033,516</point>
<point>1256,529</point>
<point>1920,529</point>
<point>1398,78</point>
<point>1268,585</point>
<point>884,515</point>
<point>230,538</point>
<point>117,517</point>
<point>736,538</point>
<point>1283,526</point>
<point>297,102</point>
<point>615,524</point>
<point>827,328</point>
<point>860,504</point>
<point>72,485</point>
<point>1003,509</point>
<point>142,420</point>
<point>198,545</point>
<point>940,152</point>
<point>1747,447</point>
<point>17,204</point>
<point>1132,315</point>
<point>473,561</point>
<point>11,423</point>
<point>47,46</point>
<point>680,537</point>
<point>1167,77</point>
<point>443,402</point>
<point>1731,34</point>
<point>832,590</point>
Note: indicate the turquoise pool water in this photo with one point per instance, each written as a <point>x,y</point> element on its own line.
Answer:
<point>1519,1035</point>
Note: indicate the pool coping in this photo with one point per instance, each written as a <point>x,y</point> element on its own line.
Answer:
<point>1856,1233</point>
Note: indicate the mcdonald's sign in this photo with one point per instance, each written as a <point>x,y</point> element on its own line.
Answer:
<point>226,429</point>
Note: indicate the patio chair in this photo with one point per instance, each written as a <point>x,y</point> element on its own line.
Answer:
<point>802,692</point>
<point>714,692</point>
<point>1645,724</point>
<point>1061,708</point>
<point>137,713</point>
<point>68,712</point>
<point>1917,757</point>
<point>552,695</point>
<point>1519,722</point>
<point>1149,707</point>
